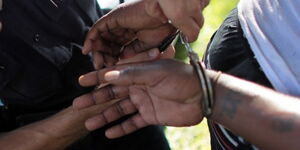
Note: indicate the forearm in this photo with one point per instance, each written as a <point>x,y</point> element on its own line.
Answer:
<point>54,133</point>
<point>266,118</point>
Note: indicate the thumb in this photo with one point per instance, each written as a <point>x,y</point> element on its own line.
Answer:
<point>148,73</point>
<point>154,10</point>
<point>132,75</point>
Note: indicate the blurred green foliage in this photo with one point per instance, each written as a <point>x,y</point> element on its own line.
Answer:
<point>197,137</point>
<point>189,138</point>
<point>214,15</point>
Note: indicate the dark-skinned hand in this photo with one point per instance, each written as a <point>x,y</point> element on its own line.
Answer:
<point>162,92</point>
<point>124,32</point>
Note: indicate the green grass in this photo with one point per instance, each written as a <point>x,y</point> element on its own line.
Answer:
<point>197,137</point>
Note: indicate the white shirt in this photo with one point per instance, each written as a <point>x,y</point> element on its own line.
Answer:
<point>272,28</point>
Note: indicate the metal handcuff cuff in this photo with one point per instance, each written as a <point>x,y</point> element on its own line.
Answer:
<point>205,83</point>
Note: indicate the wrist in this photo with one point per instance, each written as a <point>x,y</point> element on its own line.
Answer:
<point>207,99</point>
<point>215,79</point>
<point>65,124</point>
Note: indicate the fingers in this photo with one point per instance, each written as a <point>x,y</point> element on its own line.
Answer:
<point>109,60</point>
<point>147,39</point>
<point>154,10</point>
<point>106,36</point>
<point>149,56</point>
<point>101,95</point>
<point>98,60</point>
<point>132,124</point>
<point>143,56</point>
<point>168,53</point>
<point>189,25</point>
<point>130,74</point>
<point>92,36</point>
<point>94,78</point>
<point>97,109</point>
<point>113,113</point>
<point>184,15</point>
<point>99,77</point>
<point>195,8</point>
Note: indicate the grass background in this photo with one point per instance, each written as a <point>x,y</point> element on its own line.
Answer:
<point>197,137</point>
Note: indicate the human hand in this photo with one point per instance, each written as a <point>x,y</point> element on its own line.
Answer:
<point>127,29</point>
<point>71,121</point>
<point>149,55</point>
<point>186,15</point>
<point>162,92</point>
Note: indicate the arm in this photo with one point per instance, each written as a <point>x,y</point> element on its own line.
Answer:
<point>67,126</point>
<point>56,132</point>
<point>166,92</point>
<point>266,118</point>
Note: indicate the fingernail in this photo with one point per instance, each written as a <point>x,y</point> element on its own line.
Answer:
<point>77,104</point>
<point>111,75</point>
<point>153,53</point>
<point>90,125</point>
<point>81,77</point>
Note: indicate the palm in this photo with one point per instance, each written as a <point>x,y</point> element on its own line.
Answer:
<point>154,108</point>
<point>129,23</point>
<point>162,92</point>
<point>173,98</point>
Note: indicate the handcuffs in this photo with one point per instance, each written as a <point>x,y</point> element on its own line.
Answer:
<point>205,82</point>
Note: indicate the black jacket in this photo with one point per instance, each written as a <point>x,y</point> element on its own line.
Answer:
<point>40,55</point>
<point>230,52</point>
<point>40,62</point>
